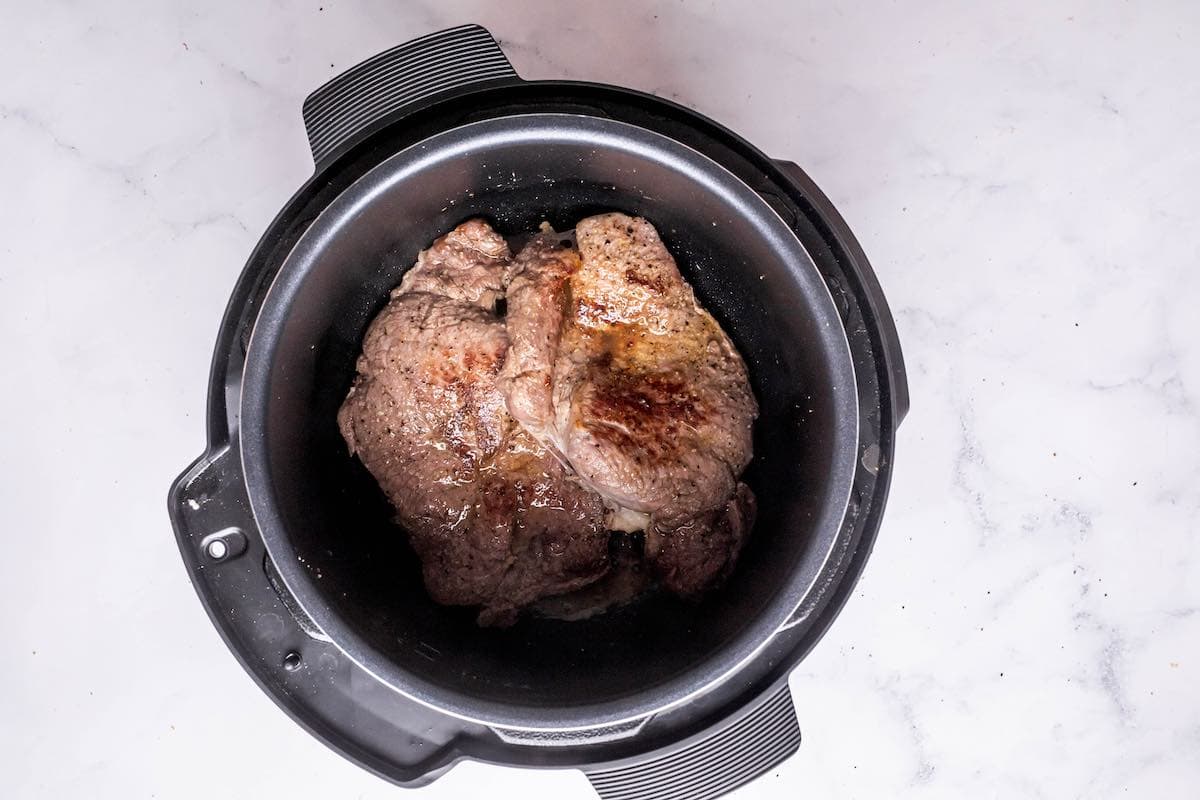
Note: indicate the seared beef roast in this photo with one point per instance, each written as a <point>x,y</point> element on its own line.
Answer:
<point>606,399</point>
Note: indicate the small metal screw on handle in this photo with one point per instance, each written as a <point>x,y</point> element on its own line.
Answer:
<point>223,545</point>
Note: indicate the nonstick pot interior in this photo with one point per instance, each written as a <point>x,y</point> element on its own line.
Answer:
<point>328,528</point>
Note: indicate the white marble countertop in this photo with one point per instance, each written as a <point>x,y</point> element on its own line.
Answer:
<point>1027,184</point>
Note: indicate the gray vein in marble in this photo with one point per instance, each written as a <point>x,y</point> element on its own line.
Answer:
<point>1112,651</point>
<point>1168,388</point>
<point>32,122</point>
<point>970,455</point>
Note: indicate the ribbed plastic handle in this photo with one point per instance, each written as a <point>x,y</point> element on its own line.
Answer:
<point>714,765</point>
<point>361,96</point>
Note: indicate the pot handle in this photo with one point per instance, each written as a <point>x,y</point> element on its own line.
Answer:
<point>215,527</point>
<point>715,763</point>
<point>892,356</point>
<point>347,106</point>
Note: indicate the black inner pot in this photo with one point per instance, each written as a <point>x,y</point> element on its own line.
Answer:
<point>328,527</point>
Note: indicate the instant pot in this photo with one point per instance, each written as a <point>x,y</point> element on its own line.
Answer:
<point>292,548</point>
